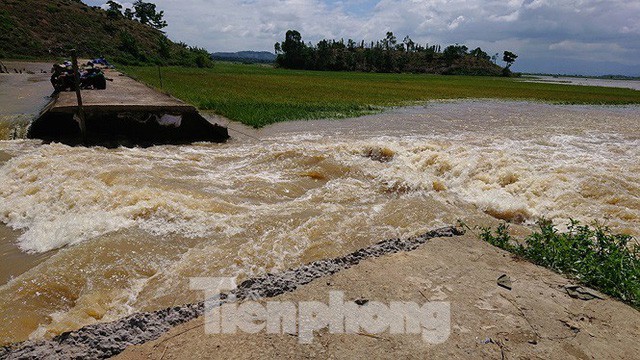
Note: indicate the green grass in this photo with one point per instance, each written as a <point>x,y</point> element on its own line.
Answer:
<point>260,95</point>
<point>593,255</point>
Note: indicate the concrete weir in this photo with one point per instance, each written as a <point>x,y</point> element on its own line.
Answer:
<point>127,113</point>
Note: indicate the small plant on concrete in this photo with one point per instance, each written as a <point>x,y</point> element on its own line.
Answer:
<point>593,255</point>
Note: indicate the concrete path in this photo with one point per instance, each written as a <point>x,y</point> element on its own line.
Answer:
<point>121,94</point>
<point>536,319</point>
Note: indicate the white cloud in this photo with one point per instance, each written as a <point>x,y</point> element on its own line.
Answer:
<point>506,18</point>
<point>455,23</point>
<point>529,27</point>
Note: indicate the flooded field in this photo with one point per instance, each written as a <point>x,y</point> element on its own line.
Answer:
<point>627,84</point>
<point>103,233</point>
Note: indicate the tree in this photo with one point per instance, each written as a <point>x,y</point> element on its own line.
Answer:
<point>409,43</point>
<point>509,58</point>
<point>454,52</point>
<point>202,57</point>
<point>164,47</point>
<point>147,14</point>
<point>128,14</point>
<point>389,41</point>
<point>292,51</point>
<point>128,44</point>
<point>479,54</point>
<point>115,9</point>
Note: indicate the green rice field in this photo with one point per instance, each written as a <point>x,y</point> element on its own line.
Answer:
<point>259,95</point>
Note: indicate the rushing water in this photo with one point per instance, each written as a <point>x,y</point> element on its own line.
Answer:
<point>101,233</point>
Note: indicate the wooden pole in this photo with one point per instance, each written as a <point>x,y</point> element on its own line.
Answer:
<point>160,76</point>
<point>76,76</point>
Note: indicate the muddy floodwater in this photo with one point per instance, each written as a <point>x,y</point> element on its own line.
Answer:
<point>626,84</point>
<point>24,91</point>
<point>90,235</point>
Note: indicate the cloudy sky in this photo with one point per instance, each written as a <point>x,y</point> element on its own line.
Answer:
<point>553,36</point>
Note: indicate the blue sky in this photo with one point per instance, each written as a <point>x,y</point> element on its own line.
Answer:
<point>592,37</point>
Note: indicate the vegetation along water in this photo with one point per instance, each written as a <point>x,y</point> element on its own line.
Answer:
<point>259,95</point>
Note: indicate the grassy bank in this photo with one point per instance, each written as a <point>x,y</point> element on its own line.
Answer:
<point>260,95</point>
<point>594,256</point>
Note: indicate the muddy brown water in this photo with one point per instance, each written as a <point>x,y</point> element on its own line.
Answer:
<point>15,261</point>
<point>626,84</point>
<point>92,234</point>
<point>22,96</point>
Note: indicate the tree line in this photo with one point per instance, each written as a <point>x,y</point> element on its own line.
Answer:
<point>387,55</point>
<point>144,12</point>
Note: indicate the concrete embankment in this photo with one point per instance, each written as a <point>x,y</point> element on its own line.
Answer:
<point>125,113</point>
<point>536,318</point>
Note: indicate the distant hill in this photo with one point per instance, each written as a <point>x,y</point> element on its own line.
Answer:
<point>48,29</point>
<point>246,56</point>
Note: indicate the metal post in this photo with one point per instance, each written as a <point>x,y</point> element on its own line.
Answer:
<point>76,76</point>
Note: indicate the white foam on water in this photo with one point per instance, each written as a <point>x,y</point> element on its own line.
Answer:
<point>249,208</point>
<point>61,196</point>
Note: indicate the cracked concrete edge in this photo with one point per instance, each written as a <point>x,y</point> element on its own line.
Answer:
<point>104,340</point>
